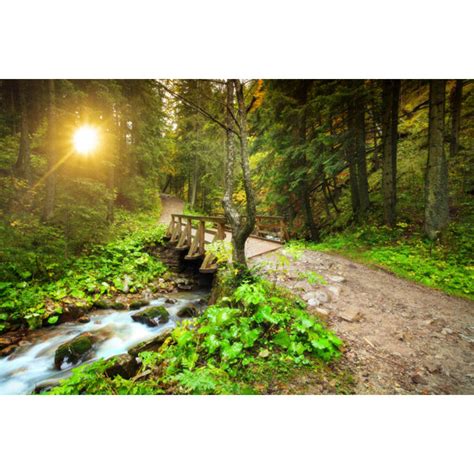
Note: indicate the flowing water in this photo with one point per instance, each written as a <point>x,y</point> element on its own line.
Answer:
<point>27,366</point>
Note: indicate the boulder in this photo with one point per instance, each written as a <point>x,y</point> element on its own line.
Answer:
<point>71,312</point>
<point>188,311</point>
<point>102,304</point>
<point>152,345</point>
<point>8,341</point>
<point>139,304</point>
<point>84,319</point>
<point>124,365</point>
<point>118,305</point>
<point>75,350</point>
<point>8,350</point>
<point>170,301</point>
<point>45,385</point>
<point>152,316</point>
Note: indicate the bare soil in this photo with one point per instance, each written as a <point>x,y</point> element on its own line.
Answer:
<point>400,337</point>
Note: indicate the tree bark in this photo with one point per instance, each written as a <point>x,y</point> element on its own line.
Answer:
<point>456,101</point>
<point>52,158</point>
<point>305,185</point>
<point>357,156</point>
<point>391,98</point>
<point>23,163</point>
<point>436,175</point>
<point>241,226</point>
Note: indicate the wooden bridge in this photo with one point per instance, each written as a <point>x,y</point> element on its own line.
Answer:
<point>192,233</point>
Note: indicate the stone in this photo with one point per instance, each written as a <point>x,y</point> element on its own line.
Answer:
<point>75,350</point>
<point>417,378</point>
<point>152,345</point>
<point>351,314</point>
<point>445,331</point>
<point>170,301</point>
<point>433,368</point>
<point>124,365</point>
<point>152,316</point>
<point>322,296</point>
<point>334,290</point>
<point>84,319</point>
<point>323,311</point>
<point>138,304</point>
<point>101,304</point>
<point>8,341</point>
<point>313,302</point>
<point>188,311</point>
<point>118,305</point>
<point>45,385</point>
<point>71,312</point>
<point>25,343</point>
<point>337,279</point>
<point>8,350</point>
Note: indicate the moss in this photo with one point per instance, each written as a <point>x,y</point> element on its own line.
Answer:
<point>138,304</point>
<point>73,350</point>
<point>152,316</point>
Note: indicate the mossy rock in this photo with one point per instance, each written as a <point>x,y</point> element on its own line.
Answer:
<point>124,365</point>
<point>152,316</point>
<point>74,350</point>
<point>118,305</point>
<point>189,311</point>
<point>152,345</point>
<point>101,304</point>
<point>139,304</point>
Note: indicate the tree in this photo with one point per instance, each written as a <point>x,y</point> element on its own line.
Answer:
<point>356,153</point>
<point>52,158</point>
<point>436,174</point>
<point>241,225</point>
<point>456,101</point>
<point>23,165</point>
<point>391,99</point>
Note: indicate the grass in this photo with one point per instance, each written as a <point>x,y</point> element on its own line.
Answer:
<point>446,265</point>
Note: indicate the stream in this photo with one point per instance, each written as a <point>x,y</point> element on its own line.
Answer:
<point>29,365</point>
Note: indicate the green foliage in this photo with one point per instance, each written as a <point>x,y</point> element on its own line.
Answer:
<point>123,265</point>
<point>447,265</point>
<point>254,325</point>
<point>91,379</point>
<point>255,321</point>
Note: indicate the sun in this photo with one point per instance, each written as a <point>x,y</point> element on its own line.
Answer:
<point>86,139</point>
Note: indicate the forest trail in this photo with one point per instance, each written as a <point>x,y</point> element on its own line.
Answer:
<point>253,247</point>
<point>401,337</point>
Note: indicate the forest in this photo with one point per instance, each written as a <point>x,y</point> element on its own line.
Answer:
<point>366,286</point>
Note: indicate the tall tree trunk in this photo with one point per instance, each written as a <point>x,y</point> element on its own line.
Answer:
<point>362,181</point>
<point>241,226</point>
<point>456,101</point>
<point>436,175</point>
<point>391,96</point>
<point>305,184</point>
<point>23,163</point>
<point>357,157</point>
<point>52,158</point>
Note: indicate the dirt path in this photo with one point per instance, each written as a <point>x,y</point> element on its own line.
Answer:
<point>401,337</point>
<point>170,205</point>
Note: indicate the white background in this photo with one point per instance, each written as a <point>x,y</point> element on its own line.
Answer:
<point>246,39</point>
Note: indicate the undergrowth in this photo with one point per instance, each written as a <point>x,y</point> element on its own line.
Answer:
<point>255,326</point>
<point>124,264</point>
<point>447,265</point>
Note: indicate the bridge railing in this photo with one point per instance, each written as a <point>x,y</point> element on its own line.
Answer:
<point>188,232</point>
